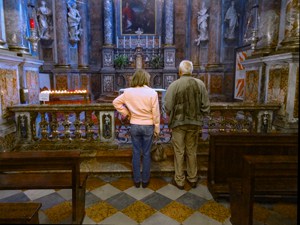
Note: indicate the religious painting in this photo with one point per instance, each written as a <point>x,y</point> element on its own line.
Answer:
<point>138,14</point>
<point>278,85</point>
<point>251,86</point>
<point>241,54</point>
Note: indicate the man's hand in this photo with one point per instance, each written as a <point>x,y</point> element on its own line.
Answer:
<point>156,136</point>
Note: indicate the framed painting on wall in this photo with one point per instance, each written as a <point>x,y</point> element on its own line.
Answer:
<point>137,14</point>
<point>241,54</point>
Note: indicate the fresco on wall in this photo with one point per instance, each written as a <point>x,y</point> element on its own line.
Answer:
<point>278,83</point>
<point>138,14</point>
<point>33,87</point>
<point>9,94</point>
<point>251,86</point>
<point>61,82</point>
<point>216,85</point>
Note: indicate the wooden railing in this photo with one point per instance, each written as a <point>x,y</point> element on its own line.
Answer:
<point>90,123</point>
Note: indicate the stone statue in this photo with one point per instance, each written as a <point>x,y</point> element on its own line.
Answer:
<point>43,17</point>
<point>202,24</point>
<point>231,17</point>
<point>74,19</point>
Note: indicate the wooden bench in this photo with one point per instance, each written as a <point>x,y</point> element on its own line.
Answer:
<point>267,177</point>
<point>45,170</point>
<point>19,213</point>
<point>227,149</point>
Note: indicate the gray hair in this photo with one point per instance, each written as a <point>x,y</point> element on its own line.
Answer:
<point>185,67</point>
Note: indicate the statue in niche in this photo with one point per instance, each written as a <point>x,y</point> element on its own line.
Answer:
<point>74,19</point>
<point>231,17</point>
<point>107,126</point>
<point>202,24</point>
<point>43,17</point>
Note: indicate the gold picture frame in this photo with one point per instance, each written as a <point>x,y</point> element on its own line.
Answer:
<point>135,14</point>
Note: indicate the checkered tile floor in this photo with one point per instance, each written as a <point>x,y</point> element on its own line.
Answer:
<point>115,201</point>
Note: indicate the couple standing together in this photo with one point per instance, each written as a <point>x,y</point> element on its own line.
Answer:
<point>186,103</point>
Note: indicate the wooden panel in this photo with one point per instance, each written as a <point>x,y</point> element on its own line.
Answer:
<point>226,151</point>
<point>19,213</point>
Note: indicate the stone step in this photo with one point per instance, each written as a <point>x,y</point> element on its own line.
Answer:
<point>118,162</point>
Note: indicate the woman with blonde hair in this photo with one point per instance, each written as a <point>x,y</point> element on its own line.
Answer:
<point>139,104</point>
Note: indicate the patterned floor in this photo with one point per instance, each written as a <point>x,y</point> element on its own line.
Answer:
<point>115,201</point>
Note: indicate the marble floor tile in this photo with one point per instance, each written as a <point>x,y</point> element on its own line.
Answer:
<point>91,199</point>
<point>106,191</point>
<point>121,200</point>
<point>35,194</point>
<point>118,219</point>
<point>65,193</point>
<point>7,193</point>
<point>138,193</point>
<point>19,197</point>
<point>202,191</point>
<point>138,211</point>
<point>191,200</point>
<point>156,200</point>
<point>115,201</point>
<point>50,200</point>
<point>199,219</point>
<point>171,191</point>
<point>159,218</point>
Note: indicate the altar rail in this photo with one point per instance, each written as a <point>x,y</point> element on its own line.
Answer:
<point>101,123</point>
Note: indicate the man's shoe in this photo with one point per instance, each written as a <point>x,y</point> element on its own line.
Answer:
<point>178,186</point>
<point>193,184</point>
<point>137,185</point>
<point>144,185</point>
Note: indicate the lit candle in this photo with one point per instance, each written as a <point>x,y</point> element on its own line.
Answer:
<point>31,23</point>
<point>146,41</point>
<point>124,42</point>
<point>153,42</point>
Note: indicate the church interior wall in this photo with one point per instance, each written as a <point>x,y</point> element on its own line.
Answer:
<point>274,61</point>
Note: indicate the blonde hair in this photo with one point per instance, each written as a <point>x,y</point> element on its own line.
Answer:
<point>185,67</point>
<point>140,78</point>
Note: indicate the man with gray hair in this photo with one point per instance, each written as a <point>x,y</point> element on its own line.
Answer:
<point>186,103</point>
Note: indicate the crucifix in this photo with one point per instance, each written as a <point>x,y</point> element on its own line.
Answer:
<point>139,32</point>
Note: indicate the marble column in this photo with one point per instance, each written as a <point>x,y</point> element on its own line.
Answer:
<point>2,28</point>
<point>291,38</point>
<point>108,22</point>
<point>62,38</point>
<point>268,27</point>
<point>16,25</point>
<point>108,48</point>
<point>169,48</point>
<point>214,34</point>
<point>83,53</point>
<point>169,21</point>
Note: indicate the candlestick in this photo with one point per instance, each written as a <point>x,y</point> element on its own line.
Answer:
<point>117,41</point>
<point>146,41</point>
<point>129,41</point>
<point>153,42</point>
<point>31,23</point>
<point>124,42</point>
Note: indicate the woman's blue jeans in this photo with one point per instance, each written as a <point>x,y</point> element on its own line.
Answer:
<point>141,137</point>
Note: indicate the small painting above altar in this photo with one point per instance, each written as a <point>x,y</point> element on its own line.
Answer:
<point>138,14</point>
